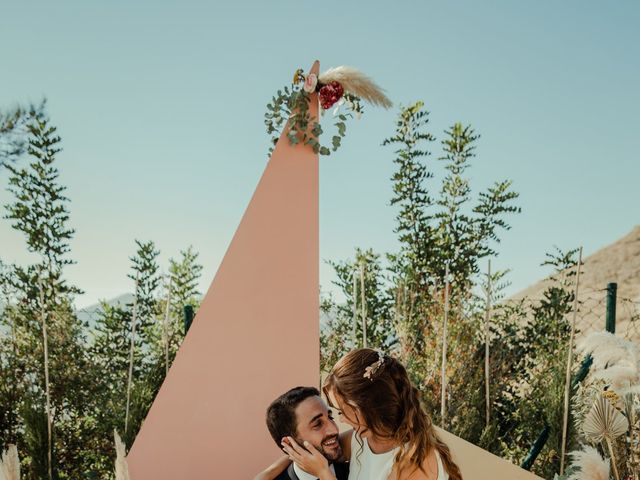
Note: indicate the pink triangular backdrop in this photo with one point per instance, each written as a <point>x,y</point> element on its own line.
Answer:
<point>254,337</point>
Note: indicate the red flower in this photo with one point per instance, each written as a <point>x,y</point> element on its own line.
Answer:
<point>330,94</point>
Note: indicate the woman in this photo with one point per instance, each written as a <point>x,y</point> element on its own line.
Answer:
<point>393,438</point>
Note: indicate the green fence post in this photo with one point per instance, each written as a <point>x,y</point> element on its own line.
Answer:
<point>610,326</point>
<point>536,448</point>
<point>188,317</point>
<point>612,290</point>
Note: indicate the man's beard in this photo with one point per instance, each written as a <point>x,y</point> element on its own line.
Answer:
<point>331,454</point>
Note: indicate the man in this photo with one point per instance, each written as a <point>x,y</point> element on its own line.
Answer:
<point>301,414</point>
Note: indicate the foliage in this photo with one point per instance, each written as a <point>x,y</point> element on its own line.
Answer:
<point>341,337</point>
<point>88,365</point>
<point>444,228</point>
<point>440,227</point>
<point>36,296</point>
<point>184,274</point>
<point>13,130</point>
<point>291,103</point>
<point>440,232</point>
<point>144,266</point>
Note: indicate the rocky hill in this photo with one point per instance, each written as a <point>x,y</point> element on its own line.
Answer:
<point>618,262</point>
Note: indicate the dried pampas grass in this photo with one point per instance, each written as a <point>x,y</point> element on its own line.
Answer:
<point>357,83</point>
<point>122,469</point>
<point>10,464</point>
<point>622,379</point>
<point>589,465</point>
<point>607,349</point>
<point>615,360</point>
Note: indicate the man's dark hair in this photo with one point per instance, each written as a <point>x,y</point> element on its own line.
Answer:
<point>281,414</point>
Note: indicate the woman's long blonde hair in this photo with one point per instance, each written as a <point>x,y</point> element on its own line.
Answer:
<point>390,407</point>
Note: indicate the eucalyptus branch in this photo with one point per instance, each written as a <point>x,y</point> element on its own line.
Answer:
<point>292,103</point>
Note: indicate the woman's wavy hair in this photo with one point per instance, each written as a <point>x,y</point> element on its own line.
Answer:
<point>390,407</point>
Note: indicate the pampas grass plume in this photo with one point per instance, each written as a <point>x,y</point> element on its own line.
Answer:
<point>122,469</point>
<point>357,83</point>
<point>607,349</point>
<point>621,378</point>
<point>10,464</point>
<point>615,360</point>
<point>590,465</point>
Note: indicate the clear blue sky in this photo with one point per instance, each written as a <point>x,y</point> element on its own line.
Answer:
<point>160,107</point>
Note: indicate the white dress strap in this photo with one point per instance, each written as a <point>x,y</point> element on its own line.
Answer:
<point>442,474</point>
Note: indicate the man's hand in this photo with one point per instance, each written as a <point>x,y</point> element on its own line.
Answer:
<point>308,458</point>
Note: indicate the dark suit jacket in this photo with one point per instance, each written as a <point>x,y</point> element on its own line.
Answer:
<point>342,472</point>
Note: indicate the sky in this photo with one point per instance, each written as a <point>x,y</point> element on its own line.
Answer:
<point>160,108</point>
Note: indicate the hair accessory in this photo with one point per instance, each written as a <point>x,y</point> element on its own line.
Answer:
<point>373,368</point>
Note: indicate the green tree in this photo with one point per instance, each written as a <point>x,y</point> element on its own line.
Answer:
<point>411,196</point>
<point>111,346</point>
<point>538,376</point>
<point>110,353</point>
<point>448,229</point>
<point>184,275</point>
<point>376,308</point>
<point>47,334</point>
<point>529,338</point>
<point>144,271</point>
<point>445,231</point>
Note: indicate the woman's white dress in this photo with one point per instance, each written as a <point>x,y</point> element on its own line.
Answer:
<point>366,465</point>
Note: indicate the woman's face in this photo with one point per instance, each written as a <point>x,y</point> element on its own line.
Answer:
<point>348,414</point>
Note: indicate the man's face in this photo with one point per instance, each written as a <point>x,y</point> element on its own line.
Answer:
<point>316,426</point>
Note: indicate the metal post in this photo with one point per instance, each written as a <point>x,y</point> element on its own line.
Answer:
<point>166,329</point>
<point>364,306</point>
<point>354,327</point>
<point>536,448</point>
<point>443,381</point>
<point>567,389</point>
<point>188,317</point>
<point>612,289</point>
<point>487,348</point>
<point>583,372</point>
<point>131,358</point>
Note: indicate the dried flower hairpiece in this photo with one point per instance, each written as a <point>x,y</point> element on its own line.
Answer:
<point>373,368</point>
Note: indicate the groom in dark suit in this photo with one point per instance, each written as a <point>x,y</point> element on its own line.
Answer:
<point>301,414</point>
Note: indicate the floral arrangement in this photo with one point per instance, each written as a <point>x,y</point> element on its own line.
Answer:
<point>607,411</point>
<point>335,87</point>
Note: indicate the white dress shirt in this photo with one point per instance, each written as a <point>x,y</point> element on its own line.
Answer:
<point>302,475</point>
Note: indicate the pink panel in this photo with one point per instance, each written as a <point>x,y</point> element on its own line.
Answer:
<point>478,464</point>
<point>254,337</point>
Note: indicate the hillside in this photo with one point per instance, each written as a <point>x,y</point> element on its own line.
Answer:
<point>618,262</point>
